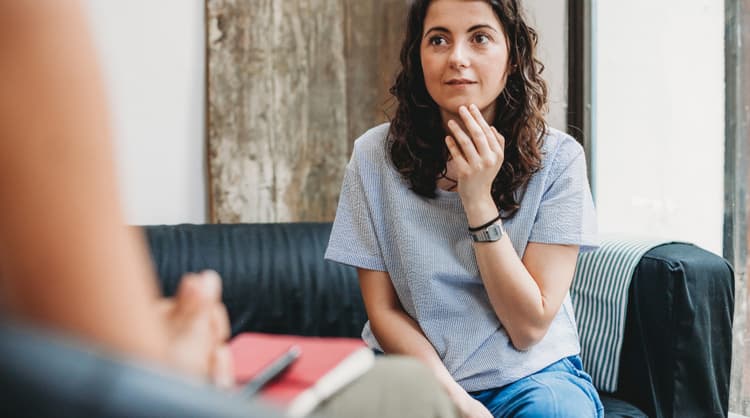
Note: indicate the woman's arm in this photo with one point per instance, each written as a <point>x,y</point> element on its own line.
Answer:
<point>525,294</point>
<point>398,333</point>
<point>395,330</point>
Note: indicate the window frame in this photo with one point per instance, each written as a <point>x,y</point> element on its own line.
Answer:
<point>582,126</point>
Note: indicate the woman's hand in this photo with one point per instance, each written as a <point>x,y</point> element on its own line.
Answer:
<point>476,155</point>
<point>198,328</point>
<point>469,407</point>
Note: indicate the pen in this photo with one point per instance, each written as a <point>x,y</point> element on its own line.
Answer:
<point>271,371</point>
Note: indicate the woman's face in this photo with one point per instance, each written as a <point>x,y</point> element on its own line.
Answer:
<point>464,55</point>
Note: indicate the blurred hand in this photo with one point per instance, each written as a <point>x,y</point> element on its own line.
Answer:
<point>198,329</point>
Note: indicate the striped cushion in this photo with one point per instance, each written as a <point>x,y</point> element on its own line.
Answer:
<point>600,297</point>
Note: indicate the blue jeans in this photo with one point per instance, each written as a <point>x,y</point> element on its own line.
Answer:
<point>561,390</point>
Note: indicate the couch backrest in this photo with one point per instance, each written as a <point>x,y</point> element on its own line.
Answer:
<point>274,276</point>
<point>676,352</point>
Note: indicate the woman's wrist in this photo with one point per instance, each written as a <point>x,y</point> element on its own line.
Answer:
<point>481,211</point>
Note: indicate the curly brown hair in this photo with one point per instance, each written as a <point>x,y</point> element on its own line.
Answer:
<point>416,131</point>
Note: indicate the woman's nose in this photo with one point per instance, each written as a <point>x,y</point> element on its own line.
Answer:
<point>459,57</point>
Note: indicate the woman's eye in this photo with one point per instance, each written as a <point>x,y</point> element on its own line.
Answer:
<point>481,38</point>
<point>437,41</point>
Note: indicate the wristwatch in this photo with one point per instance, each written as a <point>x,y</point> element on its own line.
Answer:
<point>492,233</point>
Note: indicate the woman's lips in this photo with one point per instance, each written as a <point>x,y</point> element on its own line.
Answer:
<point>459,81</point>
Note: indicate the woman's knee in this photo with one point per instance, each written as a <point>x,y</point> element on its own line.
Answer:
<point>556,398</point>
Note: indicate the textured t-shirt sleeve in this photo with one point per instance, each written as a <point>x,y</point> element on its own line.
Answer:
<point>566,213</point>
<point>353,239</point>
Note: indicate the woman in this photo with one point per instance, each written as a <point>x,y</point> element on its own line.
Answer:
<point>466,214</point>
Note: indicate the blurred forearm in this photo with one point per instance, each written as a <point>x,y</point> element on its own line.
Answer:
<point>67,259</point>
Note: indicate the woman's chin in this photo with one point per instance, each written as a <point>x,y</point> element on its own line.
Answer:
<point>451,107</point>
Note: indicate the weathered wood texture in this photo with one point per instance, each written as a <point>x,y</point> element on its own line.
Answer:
<point>736,178</point>
<point>291,84</point>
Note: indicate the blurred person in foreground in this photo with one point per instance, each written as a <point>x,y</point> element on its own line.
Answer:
<point>69,263</point>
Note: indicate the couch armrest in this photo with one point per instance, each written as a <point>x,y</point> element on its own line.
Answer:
<point>274,276</point>
<point>676,353</point>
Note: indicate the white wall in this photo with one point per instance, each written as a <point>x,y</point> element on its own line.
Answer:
<point>152,54</point>
<point>550,19</point>
<point>153,57</point>
<point>660,119</point>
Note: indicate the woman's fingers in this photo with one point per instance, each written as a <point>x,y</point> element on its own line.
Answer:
<point>478,135</point>
<point>456,155</point>
<point>476,151</point>
<point>464,142</point>
<point>500,139</point>
<point>489,133</point>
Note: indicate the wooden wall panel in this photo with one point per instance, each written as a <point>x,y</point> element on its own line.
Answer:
<point>291,84</point>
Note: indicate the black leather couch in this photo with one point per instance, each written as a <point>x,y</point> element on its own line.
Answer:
<point>676,355</point>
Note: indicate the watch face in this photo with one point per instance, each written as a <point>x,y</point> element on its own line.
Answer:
<point>494,232</point>
<point>491,233</point>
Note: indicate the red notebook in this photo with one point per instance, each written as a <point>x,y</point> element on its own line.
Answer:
<point>324,366</point>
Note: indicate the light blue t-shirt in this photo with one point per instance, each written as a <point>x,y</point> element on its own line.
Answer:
<point>425,247</point>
